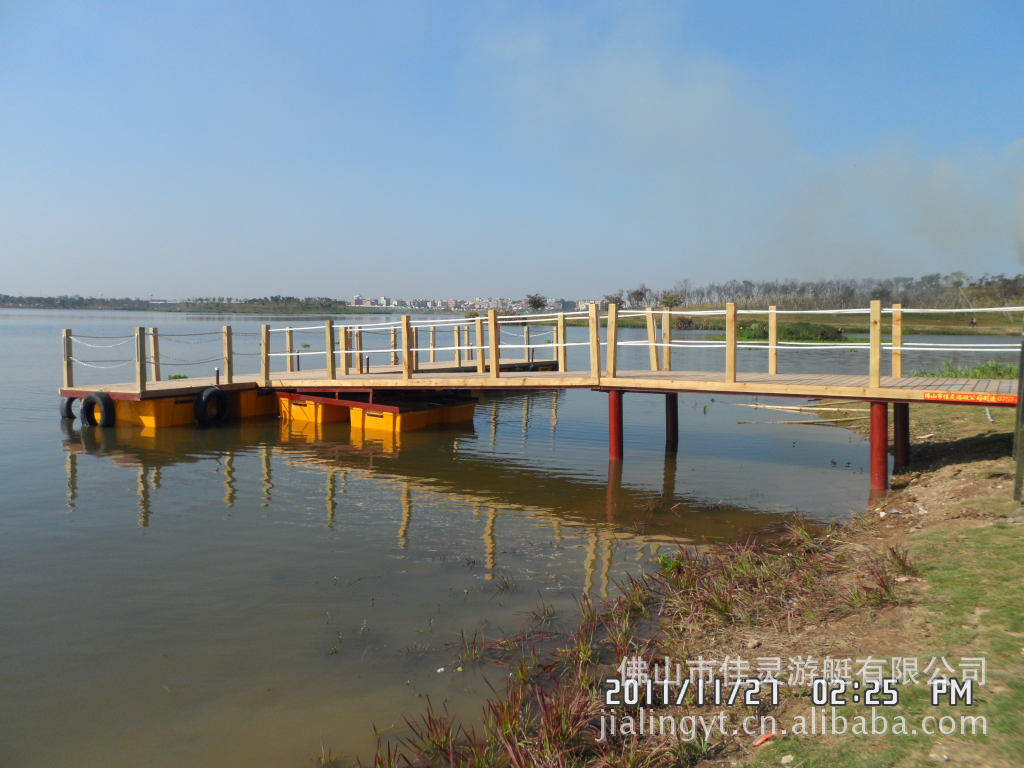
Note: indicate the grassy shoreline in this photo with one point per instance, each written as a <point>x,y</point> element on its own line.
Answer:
<point>934,570</point>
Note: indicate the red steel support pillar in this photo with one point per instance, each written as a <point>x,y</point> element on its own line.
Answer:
<point>901,434</point>
<point>671,421</point>
<point>615,424</point>
<point>879,447</point>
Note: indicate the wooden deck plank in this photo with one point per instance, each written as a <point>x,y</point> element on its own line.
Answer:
<point>448,375</point>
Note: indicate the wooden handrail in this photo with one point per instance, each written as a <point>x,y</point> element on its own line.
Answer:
<point>329,347</point>
<point>265,355</point>
<point>730,342</point>
<point>69,371</point>
<point>494,342</point>
<point>897,341</point>
<point>652,338</point>
<point>229,355</point>
<point>154,345</point>
<point>611,357</point>
<point>875,356</point>
<point>666,340</point>
<point>140,359</point>
<point>478,325</point>
<point>407,364</point>
<point>560,341</point>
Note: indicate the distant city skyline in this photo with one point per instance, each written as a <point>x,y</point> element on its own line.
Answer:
<point>452,149</point>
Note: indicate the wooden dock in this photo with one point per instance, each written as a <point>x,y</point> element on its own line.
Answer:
<point>482,357</point>
<point>990,392</point>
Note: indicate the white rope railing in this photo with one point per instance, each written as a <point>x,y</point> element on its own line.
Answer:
<point>361,326</point>
<point>78,340</point>
<point>1007,350</point>
<point>467,348</point>
<point>299,330</point>
<point>543,316</point>
<point>173,362</point>
<point>690,313</point>
<point>527,346</point>
<point>804,311</point>
<point>442,323</point>
<point>166,337</point>
<point>954,345</point>
<point>93,363</point>
<point>957,311</point>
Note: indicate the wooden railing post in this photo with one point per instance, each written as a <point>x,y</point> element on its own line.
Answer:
<point>343,349</point>
<point>407,366</point>
<point>154,362</point>
<point>611,358</point>
<point>526,343</point>
<point>560,341</point>
<point>773,341</point>
<point>357,343</point>
<point>69,372</point>
<point>897,341</point>
<point>265,355</point>
<point>140,359</point>
<point>478,349</point>
<point>329,347</point>
<point>652,338</point>
<point>289,347</point>
<point>875,361</point>
<point>494,341</point>
<point>730,342</point>
<point>458,344</point>
<point>666,339</point>
<point>594,326</point>
<point>394,346</point>
<point>229,355</point>
<point>433,344</point>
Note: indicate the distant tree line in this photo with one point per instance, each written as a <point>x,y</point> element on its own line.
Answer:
<point>72,302</point>
<point>955,290</point>
<point>265,304</point>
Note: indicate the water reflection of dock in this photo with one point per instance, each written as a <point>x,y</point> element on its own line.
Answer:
<point>605,517</point>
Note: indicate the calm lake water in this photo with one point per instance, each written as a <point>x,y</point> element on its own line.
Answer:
<point>238,596</point>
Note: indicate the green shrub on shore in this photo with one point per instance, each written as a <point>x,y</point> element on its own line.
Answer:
<point>757,330</point>
<point>990,369</point>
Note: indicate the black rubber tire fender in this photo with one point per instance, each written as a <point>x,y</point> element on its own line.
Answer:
<point>101,401</point>
<point>67,409</point>
<point>216,397</point>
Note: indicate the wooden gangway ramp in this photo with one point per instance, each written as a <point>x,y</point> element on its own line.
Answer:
<point>373,364</point>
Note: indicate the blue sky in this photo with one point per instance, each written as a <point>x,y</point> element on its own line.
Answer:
<point>464,149</point>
